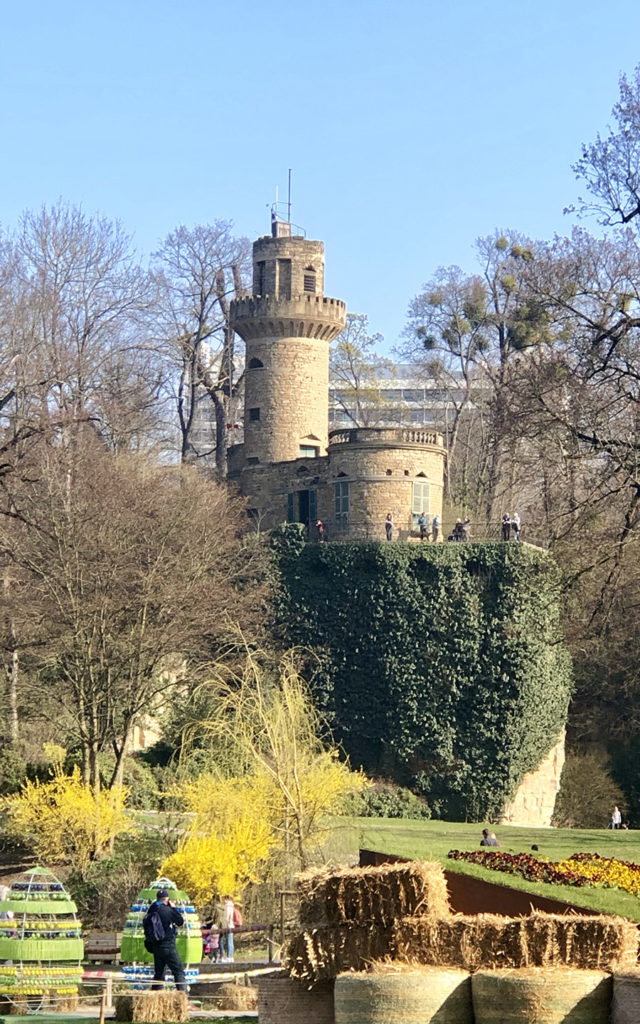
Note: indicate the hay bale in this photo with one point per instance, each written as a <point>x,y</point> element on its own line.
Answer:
<point>237,997</point>
<point>413,995</point>
<point>324,953</point>
<point>286,1001</point>
<point>376,895</point>
<point>540,940</point>
<point>599,942</point>
<point>153,1007</point>
<point>64,1004</point>
<point>625,1008</point>
<point>536,995</point>
<point>485,940</point>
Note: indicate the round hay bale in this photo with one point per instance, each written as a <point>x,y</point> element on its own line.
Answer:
<point>541,995</point>
<point>237,997</point>
<point>286,1001</point>
<point>413,995</point>
<point>625,1008</point>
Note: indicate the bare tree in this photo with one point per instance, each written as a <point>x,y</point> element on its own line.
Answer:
<point>358,372</point>
<point>610,166</point>
<point>197,271</point>
<point>128,575</point>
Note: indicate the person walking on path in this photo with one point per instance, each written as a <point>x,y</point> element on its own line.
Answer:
<point>160,924</point>
<point>435,529</point>
<point>388,526</point>
<point>423,523</point>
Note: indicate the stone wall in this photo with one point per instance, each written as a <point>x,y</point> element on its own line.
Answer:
<point>534,801</point>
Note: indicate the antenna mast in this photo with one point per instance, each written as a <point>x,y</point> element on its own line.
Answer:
<point>289,199</point>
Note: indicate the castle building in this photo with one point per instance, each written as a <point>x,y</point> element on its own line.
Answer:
<point>289,466</point>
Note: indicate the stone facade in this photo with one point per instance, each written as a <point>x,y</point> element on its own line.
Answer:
<point>289,466</point>
<point>534,802</point>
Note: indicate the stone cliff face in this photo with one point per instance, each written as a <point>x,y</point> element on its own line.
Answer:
<point>533,804</point>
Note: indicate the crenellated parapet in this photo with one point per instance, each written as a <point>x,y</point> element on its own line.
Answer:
<point>301,316</point>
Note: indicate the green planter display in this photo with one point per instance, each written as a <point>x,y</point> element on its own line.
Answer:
<point>40,932</point>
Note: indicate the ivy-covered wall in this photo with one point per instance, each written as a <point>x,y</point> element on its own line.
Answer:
<point>441,667</point>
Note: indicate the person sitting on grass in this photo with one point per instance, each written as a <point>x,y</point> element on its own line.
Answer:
<point>489,838</point>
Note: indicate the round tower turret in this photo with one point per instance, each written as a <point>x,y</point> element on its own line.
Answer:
<point>287,325</point>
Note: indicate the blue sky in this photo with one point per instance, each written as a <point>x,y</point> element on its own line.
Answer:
<point>411,127</point>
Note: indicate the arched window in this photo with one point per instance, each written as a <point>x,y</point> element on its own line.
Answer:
<point>255,364</point>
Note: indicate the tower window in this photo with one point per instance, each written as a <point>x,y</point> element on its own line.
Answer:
<point>284,279</point>
<point>253,460</point>
<point>309,280</point>
<point>260,278</point>
<point>341,504</point>
<point>420,499</point>
<point>255,364</point>
<point>309,451</point>
<point>254,414</point>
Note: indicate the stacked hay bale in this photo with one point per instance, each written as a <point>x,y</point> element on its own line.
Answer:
<point>349,916</point>
<point>410,958</point>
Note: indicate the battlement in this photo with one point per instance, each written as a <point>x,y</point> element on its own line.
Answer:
<point>301,316</point>
<point>386,437</point>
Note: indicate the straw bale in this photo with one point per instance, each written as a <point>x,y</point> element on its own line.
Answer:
<point>65,1004</point>
<point>373,895</point>
<point>237,997</point>
<point>485,940</point>
<point>625,1008</point>
<point>324,953</point>
<point>540,940</point>
<point>599,942</point>
<point>413,995</point>
<point>541,995</point>
<point>153,1007</point>
<point>287,1001</point>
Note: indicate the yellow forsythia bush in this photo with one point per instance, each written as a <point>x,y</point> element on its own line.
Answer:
<point>64,820</point>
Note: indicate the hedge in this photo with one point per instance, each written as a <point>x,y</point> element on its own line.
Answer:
<point>441,667</point>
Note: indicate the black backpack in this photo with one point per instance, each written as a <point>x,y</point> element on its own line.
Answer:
<point>153,929</point>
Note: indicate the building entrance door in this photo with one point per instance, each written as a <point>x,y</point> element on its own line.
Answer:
<point>307,508</point>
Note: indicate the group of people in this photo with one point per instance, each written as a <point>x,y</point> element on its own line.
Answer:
<point>218,933</point>
<point>511,526</point>
<point>429,530</point>
<point>461,530</point>
<point>160,926</point>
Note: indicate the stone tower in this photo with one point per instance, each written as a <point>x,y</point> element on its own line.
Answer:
<point>287,325</point>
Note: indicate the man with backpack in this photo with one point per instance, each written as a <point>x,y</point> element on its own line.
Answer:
<point>160,926</point>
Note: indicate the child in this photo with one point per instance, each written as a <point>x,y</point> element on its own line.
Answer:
<point>212,946</point>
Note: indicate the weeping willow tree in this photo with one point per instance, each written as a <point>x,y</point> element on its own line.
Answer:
<point>263,726</point>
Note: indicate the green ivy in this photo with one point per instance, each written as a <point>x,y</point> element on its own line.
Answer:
<point>441,668</point>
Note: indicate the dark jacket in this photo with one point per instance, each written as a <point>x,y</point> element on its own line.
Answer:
<point>169,916</point>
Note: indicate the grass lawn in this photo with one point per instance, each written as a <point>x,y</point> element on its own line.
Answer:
<point>432,840</point>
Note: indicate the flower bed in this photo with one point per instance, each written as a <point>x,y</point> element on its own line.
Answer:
<point>523,864</point>
<point>580,869</point>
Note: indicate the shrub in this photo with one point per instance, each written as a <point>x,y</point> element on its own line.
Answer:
<point>386,800</point>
